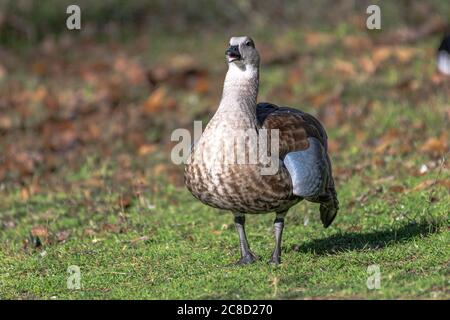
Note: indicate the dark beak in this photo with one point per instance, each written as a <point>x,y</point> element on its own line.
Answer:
<point>233,53</point>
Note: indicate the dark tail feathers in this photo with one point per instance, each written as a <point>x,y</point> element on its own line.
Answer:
<point>329,208</point>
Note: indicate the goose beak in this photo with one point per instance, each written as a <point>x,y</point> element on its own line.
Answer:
<point>233,54</point>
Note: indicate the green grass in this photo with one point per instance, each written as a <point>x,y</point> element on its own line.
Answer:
<point>188,247</point>
<point>163,244</point>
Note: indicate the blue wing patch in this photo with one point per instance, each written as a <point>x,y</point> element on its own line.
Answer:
<point>308,169</point>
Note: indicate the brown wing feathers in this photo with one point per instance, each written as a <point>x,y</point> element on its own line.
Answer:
<point>295,128</point>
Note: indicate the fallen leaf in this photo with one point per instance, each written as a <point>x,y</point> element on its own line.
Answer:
<point>357,43</point>
<point>367,65</point>
<point>435,146</point>
<point>397,189</point>
<point>386,140</point>
<point>3,72</point>
<point>125,201</point>
<point>146,149</point>
<point>5,123</point>
<point>316,39</point>
<point>62,236</point>
<point>154,102</point>
<point>431,182</point>
<point>344,67</point>
<point>89,232</point>
<point>110,227</point>
<point>201,85</point>
<point>39,231</point>
<point>381,53</point>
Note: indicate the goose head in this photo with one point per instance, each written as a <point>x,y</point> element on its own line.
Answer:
<point>242,53</point>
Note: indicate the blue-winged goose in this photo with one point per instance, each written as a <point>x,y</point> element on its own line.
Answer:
<point>304,168</point>
<point>443,61</point>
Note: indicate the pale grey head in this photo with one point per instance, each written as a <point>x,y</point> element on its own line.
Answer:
<point>242,52</point>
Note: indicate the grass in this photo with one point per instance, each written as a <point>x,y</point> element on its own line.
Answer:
<point>188,246</point>
<point>136,234</point>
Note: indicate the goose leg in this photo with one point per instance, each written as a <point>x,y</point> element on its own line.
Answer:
<point>247,256</point>
<point>278,226</point>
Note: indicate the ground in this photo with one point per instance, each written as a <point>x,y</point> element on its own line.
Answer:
<point>86,177</point>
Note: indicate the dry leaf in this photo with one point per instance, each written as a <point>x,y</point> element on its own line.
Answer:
<point>5,123</point>
<point>315,39</point>
<point>154,102</point>
<point>201,85</point>
<point>344,67</point>
<point>62,236</point>
<point>146,149</point>
<point>435,146</point>
<point>431,182</point>
<point>367,65</point>
<point>111,227</point>
<point>39,231</point>
<point>397,188</point>
<point>357,43</point>
<point>89,232</point>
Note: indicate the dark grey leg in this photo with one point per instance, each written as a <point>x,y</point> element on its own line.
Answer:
<point>278,226</point>
<point>247,256</point>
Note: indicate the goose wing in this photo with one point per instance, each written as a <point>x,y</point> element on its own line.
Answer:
<point>303,150</point>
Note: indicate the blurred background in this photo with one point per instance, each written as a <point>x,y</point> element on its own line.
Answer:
<point>113,91</point>
<point>86,117</point>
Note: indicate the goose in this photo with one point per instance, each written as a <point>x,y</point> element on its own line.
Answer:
<point>303,170</point>
<point>443,60</point>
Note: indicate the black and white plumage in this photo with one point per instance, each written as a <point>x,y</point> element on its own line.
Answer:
<point>443,56</point>
<point>304,167</point>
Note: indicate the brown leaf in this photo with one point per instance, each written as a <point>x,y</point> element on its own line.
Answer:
<point>146,149</point>
<point>62,236</point>
<point>435,146</point>
<point>111,227</point>
<point>397,188</point>
<point>60,135</point>
<point>24,194</point>
<point>431,182</point>
<point>357,43</point>
<point>201,85</point>
<point>132,70</point>
<point>154,102</point>
<point>381,53</point>
<point>386,140</point>
<point>5,123</point>
<point>39,94</point>
<point>89,232</point>
<point>3,72</point>
<point>125,201</point>
<point>39,231</point>
<point>38,68</point>
<point>367,65</point>
<point>160,169</point>
<point>344,67</point>
<point>404,54</point>
<point>316,39</point>
<point>158,74</point>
